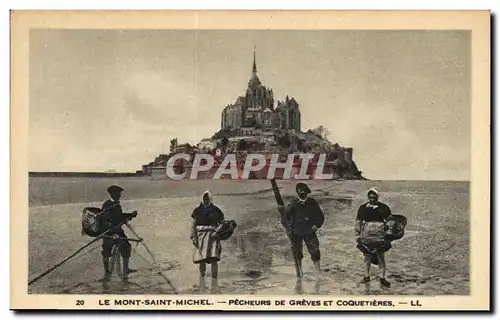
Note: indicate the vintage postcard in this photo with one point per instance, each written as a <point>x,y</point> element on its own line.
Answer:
<point>264,160</point>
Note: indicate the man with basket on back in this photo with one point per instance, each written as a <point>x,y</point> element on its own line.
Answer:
<point>113,218</point>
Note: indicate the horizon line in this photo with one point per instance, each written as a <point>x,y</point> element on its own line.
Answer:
<point>135,173</point>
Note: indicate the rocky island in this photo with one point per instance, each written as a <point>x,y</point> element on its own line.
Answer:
<point>255,124</point>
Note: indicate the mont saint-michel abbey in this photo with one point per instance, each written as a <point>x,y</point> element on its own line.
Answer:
<point>256,123</point>
<point>257,109</point>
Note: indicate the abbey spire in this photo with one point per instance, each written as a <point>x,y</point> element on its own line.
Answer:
<point>254,80</point>
<point>254,64</point>
<point>256,109</point>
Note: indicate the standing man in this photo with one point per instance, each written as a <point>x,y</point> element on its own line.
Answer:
<point>114,218</point>
<point>302,218</point>
<point>373,211</point>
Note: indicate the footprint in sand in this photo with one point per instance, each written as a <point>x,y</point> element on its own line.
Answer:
<point>334,269</point>
<point>409,278</point>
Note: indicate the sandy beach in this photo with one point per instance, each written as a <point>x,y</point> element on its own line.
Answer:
<point>432,258</point>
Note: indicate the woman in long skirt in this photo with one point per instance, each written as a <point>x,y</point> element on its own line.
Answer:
<point>206,218</point>
<point>376,213</point>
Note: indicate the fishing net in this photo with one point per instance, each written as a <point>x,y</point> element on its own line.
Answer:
<point>372,234</point>
<point>377,236</point>
<point>82,272</point>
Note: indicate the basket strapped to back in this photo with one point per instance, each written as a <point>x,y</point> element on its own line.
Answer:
<point>92,222</point>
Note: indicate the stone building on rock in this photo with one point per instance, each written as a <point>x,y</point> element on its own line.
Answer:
<point>257,109</point>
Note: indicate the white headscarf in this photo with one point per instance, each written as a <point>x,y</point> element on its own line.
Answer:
<point>377,192</point>
<point>210,197</point>
<point>374,190</point>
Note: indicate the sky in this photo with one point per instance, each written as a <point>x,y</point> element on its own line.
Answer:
<point>113,99</point>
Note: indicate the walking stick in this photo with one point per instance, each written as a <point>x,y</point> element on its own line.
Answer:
<point>279,200</point>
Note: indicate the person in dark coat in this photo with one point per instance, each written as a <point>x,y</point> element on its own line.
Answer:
<point>302,218</point>
<point>373,211</point>
<point>206,218</point>
<point>114,217</point>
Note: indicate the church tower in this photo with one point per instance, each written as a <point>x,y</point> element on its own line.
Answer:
<point>257,95</point>
<point>254,80</point>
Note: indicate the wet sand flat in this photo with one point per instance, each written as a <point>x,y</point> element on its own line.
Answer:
<point>432,258</point>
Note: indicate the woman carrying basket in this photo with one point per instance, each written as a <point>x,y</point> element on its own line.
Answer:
<point>206,218</point>
<point>373,214</point>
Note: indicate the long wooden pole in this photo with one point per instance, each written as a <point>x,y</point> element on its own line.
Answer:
<point>71,256</point>
<point>280,202</point>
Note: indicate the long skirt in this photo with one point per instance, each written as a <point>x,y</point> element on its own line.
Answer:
<point>372,253</point>
<point>209,250</point>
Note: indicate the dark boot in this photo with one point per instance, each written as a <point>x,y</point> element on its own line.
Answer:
<point>298,286</point>
<point>365,280</point>
<point>385,283</point>
<point>126,269</point>
<point>298,269</point>
<point>107,272</point>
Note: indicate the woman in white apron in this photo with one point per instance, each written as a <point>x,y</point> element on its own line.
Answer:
<point>206,218</point>
<point>370,230</point>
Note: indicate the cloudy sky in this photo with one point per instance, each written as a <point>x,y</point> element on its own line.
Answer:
<point>103,100</point>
